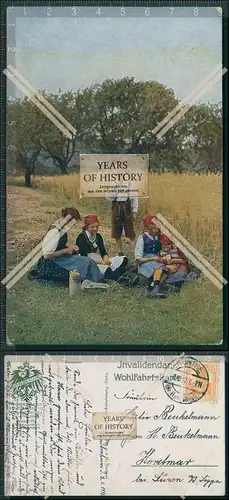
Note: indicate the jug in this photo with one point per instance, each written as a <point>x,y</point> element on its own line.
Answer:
<point>74,283</point>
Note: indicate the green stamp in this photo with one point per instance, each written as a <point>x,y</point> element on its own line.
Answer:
<point>26,382</point>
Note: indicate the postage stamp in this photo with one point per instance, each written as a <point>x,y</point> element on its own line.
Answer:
<point>186,380</point>
<point>211,395</point>
<point>113,425</point>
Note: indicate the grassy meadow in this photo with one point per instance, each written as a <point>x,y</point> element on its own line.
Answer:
<point>47,315</point>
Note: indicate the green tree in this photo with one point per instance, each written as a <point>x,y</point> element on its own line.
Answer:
<point>203,143</point>
<point>117,116</point>
<point>33,134</point>
<point>53,142</point>
<point>123,113</point>
<point>21,134</point>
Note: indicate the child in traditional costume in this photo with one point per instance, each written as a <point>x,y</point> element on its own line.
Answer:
<point>60,257</point>
<point>91,244</point>
<point>175,264</point>
<point>147,256</point>
<point>172,256</point>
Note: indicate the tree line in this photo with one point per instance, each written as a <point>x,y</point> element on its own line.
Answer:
<point>117,116</point>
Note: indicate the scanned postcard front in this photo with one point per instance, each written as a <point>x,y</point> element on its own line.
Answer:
<point>114,425</point>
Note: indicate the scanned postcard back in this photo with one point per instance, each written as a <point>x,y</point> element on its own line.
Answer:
<point>114,425</point>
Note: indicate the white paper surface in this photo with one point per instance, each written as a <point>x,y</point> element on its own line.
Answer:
<point>115,262</point>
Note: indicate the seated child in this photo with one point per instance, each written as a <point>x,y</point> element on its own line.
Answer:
<point>175,263</point>
<point>147,256</point>
<point>91,244</point>
<point>172,256</point>
<point>177,266</point>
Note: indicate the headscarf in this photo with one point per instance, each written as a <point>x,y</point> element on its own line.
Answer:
<point>165,240</point>
<point>90,219</point>
<point>149,219</point>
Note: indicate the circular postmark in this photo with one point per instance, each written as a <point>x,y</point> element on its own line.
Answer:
<point>186,380</point>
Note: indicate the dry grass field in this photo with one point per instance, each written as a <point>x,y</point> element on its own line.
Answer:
<point>47,315</point>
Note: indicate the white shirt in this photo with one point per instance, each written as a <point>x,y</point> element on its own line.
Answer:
<point>50,241</point>
<point>133,199</point>
<point>92,239</point>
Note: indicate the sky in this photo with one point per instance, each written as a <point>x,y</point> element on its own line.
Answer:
<point>73,53</point>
